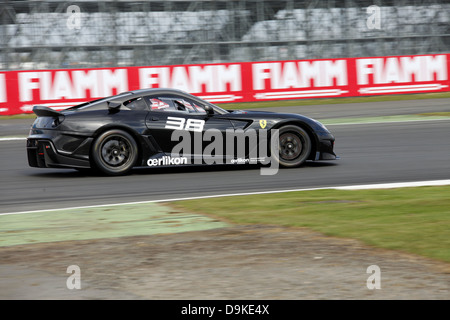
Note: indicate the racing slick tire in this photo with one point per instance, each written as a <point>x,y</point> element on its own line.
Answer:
<point>114,152</point>
<point>294,146</point>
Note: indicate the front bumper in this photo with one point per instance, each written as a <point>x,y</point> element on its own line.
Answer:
<point>324,147</point>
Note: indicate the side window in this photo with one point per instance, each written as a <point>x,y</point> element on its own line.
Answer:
<point>161,104</point>
<point>136,104</point>
<point>188,106</point>
<point>196,106</point>
<point>200,107</point>
<point>173,103</point>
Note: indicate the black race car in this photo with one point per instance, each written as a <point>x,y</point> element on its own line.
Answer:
<point>167,127</point>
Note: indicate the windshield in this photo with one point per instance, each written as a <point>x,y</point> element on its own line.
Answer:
<point>219,109</point>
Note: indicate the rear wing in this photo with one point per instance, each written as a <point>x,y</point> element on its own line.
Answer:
<point>43,111</point>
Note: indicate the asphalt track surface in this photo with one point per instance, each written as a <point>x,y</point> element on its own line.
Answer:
<point>370,153</point>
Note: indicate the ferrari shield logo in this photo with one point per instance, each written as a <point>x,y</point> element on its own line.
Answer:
<point>263,123</point>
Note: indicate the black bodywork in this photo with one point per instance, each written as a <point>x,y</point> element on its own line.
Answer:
<point>78,137</point>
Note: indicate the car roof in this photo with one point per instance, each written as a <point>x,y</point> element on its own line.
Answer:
<point>155,91</point>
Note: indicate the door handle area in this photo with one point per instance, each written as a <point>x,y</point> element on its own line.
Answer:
<point>155,119</point>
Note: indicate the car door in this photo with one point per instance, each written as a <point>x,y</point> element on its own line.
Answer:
<point>181,125</point>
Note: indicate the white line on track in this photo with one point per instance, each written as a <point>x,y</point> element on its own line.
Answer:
<point>12,139</point>
<point>351,187</point>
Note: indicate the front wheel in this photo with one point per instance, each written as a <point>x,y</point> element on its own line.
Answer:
<point>294,146</point>
<point>114,152</point>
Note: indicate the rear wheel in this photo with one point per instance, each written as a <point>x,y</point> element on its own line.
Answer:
<point>114,152</point>
<point>294,146</point>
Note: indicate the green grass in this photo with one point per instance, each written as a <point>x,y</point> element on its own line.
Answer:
<point>413,220</point>
<point>19,116</point>
<point>435,114</point>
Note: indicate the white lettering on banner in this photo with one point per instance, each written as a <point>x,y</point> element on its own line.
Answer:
<point>203,77</point>
<point>72,84</point>
<point>401,69</point>
<point>45,79</point>
<point>114,79</point>
<point>229,75</point>
<point>26,85</point>
<point>302,74</point>
<point>436,65</point>
<point>62,86</point>
<point>214,78</point>
<point>334,70</point>
<point>86,80</point>
<point>3,97</point>
<point>154,77</point>
<point>180,79</point>
<point>260,75</point>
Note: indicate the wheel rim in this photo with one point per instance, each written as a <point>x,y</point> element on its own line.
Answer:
<point>116,151</point>
<point>291,146</point>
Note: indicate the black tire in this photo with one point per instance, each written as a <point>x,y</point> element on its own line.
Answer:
<point>114,152</point>
<point>294,146</point>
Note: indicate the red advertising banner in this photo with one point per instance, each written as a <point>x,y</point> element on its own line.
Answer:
<point>230,82</point>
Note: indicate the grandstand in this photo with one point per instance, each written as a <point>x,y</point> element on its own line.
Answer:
<point>37,34</point>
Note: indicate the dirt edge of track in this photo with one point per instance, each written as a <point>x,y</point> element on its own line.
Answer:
<point>237,262</point>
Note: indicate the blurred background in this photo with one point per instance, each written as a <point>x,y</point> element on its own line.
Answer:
<point>49,34</point>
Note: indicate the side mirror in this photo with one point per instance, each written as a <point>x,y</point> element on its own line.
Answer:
<point>209,110</point>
